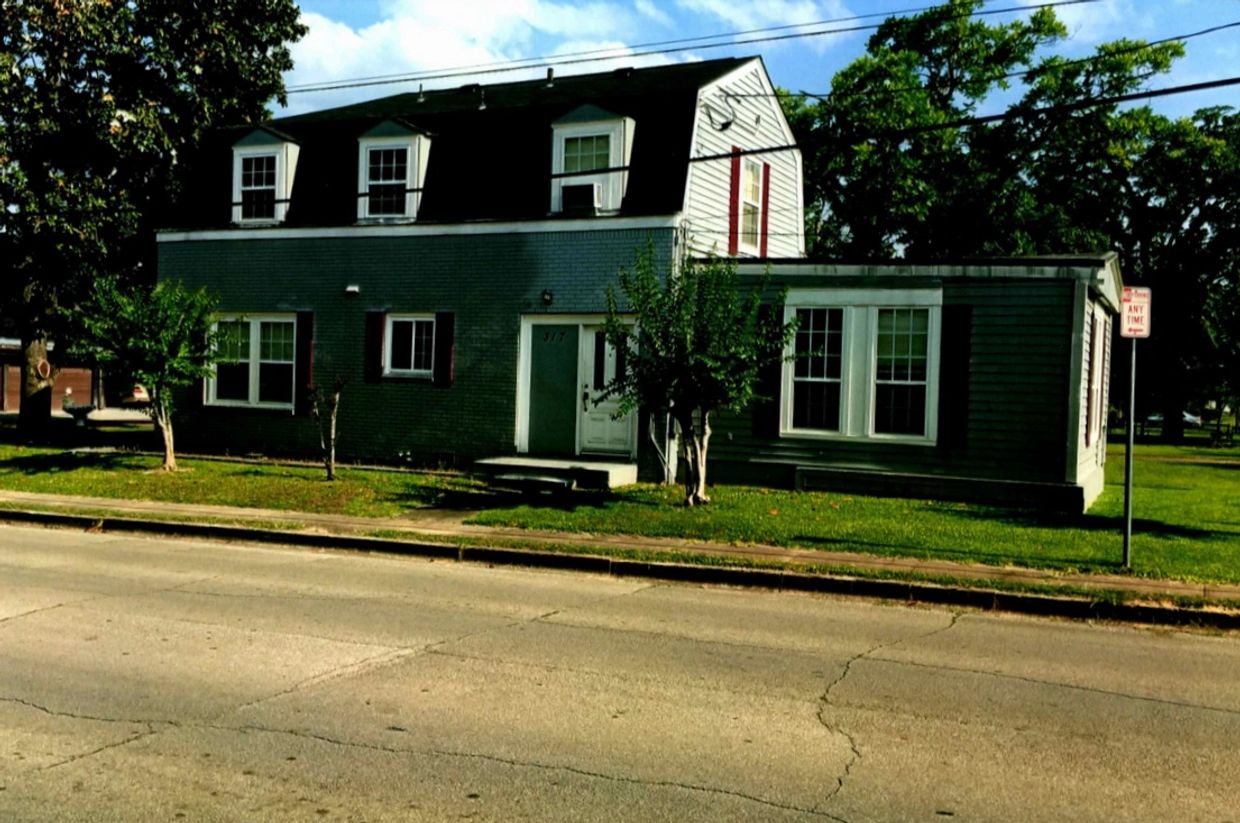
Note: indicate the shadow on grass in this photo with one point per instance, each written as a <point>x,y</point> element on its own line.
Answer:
<point>971,554</point>
<point>70,461</point>
<point>1090,523</point>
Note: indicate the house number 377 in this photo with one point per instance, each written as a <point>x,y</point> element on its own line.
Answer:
<point>554,336</point>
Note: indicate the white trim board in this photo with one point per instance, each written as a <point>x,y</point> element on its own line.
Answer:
<point>424,230</point>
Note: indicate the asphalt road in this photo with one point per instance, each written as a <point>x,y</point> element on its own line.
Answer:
<point>143,679</point>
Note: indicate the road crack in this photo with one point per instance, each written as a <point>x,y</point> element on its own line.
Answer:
<point>825,705</point>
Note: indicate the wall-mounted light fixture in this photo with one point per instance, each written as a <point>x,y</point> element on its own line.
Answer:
<point>352,289</point>
<point>547,297</point>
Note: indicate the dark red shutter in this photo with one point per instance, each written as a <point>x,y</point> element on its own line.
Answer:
<point>766,204</point>
<point>734,202</point>
<point>303,363</point>
<point>372,362</point>
<point>766,402</point>
<point>445,348</point>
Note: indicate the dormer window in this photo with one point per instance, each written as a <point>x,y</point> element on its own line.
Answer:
<point>589,161</point>
<point>263,167</point>
<point>391,168</point>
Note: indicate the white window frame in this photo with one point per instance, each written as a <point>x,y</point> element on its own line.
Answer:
<point>255,362</point>
<point>611,185</point>
<point>416,148</point>
<point>859,353</point>
<point>749,164</point>
<point>285,155</point>
<point>388,336</point>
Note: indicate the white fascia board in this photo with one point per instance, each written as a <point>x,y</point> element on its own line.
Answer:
<point>588,224</point>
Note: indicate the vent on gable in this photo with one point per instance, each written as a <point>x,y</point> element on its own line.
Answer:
<point>581,198</point>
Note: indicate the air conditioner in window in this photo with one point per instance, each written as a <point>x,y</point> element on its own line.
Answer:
<point>581,198</point>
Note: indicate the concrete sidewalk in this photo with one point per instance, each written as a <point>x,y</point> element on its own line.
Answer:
<point>448,527</point>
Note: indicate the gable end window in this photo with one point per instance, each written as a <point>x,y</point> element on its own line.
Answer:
<point>749,206</point>
<point>258,362</point>
<point>860,370</point>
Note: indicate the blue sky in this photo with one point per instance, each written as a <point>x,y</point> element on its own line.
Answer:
<point>351,39</point>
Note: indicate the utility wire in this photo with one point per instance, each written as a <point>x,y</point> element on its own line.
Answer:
<point>549,62</point>
<point>1093,58</point>
<point>994,118</point>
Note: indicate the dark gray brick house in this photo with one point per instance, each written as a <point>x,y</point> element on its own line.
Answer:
<point>447,253</point>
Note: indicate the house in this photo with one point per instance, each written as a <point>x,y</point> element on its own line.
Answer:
<point>976,381</point>
<point>447,253</point>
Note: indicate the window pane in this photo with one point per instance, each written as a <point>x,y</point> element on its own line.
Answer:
<point>587,153</point>
<point>900,409</point>
<point>233,340</point>
<point>816,405</point>
<point>258,187</point>
<point>749,224</point>
<point>401,349</point>
<point>275,383</point>
<point>257,204</point>
<point>232,381</point>
<point>276,341</point>
<point>386,199</point>
<point>423,345</point>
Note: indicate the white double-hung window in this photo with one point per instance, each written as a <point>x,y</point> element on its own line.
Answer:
<point>410,347</point>
<point>264,164</point>
<point>258,356</point>
<point>863,364</point>
<point>590,151</point>
<point>391,167</point>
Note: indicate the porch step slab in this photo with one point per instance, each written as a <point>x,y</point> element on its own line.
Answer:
<point>583,474</point>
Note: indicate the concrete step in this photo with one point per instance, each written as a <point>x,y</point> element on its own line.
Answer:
<point>569,473</point>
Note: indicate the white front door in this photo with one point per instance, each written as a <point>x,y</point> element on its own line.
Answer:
<point>600,430</point>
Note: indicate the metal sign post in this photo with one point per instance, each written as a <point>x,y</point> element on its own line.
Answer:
<point>1134,323</point>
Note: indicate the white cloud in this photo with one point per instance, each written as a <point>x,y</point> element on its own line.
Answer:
<point>650,11</point>
<point>1099,22</point>
<point>432,35</point>
<point>762,14</point>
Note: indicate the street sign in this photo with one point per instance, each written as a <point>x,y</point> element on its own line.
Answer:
<point>1135,312</point>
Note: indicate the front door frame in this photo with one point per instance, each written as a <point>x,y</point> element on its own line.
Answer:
<point>528,322</point>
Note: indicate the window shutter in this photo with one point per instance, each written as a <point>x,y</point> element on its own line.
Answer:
<point>956,348</point>
<point>303,363</point>
<point>766,207</point>
<point>372,362</point>
<point>766,404</point>
<point>734,202</point>
<point>445,348</point>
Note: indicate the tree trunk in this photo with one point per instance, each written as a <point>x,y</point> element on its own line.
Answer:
<point>164,418</point>
<point>694,441</point>
<point>38,378</point>
<point>325,407</point>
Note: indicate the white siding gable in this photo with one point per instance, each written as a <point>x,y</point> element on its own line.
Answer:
<point>740,110</point>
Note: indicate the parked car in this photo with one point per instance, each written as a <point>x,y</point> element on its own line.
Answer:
<point>136,397</point>
<point>1191,421</point>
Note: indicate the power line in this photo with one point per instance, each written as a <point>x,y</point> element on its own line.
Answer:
<point>995,118</point>
<point>611,54</point>
<point>1093,58</point>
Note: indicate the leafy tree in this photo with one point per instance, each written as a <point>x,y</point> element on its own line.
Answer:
<point>697,347</point>
<point>900,164</point>
<point>162,336</point>
<point>98,100</point>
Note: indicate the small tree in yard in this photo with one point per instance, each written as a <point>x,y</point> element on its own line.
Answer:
<point>697,347</point>
<point>324,407</point>
<point>163,337</point>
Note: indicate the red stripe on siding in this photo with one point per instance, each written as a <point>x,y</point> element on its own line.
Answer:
<point>734,202</point>
<point>766,203</point>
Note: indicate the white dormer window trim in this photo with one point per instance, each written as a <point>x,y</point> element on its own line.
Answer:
<point>610,185</point>
<point>283,155</point>
<point>372,176</point>
<point>749,206</point>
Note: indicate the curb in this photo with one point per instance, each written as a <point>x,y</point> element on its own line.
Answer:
<point>1042,605</point>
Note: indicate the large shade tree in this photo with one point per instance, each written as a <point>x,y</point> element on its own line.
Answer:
<point>98,100</point>
<point>899,163</point>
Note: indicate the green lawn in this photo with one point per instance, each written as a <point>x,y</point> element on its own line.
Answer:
<point>1187,508</point>
<point>1187,521</point>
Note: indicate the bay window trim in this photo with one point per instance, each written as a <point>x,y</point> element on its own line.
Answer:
<point>859,353</point>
